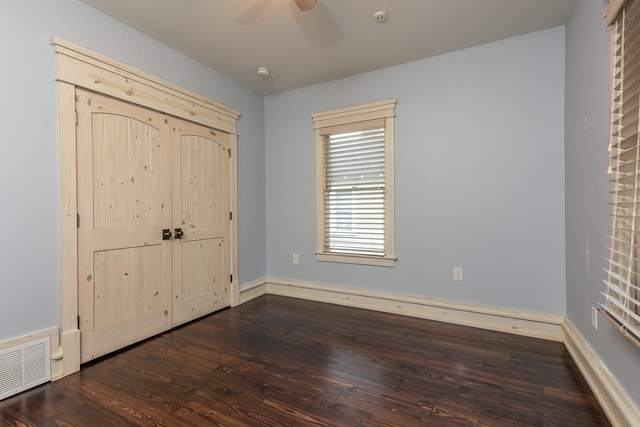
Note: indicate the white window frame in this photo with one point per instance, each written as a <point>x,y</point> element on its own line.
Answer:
<point>349,119</point>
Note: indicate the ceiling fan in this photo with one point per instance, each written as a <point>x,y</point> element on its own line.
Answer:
<point>305,4</point>
<point>319,27</point>
<point>259,6</point>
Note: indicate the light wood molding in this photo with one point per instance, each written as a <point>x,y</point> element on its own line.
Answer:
<point>614,7</point>
<point>389,130</point>
<point>361,113</point>
<point>51,332</point>
<point>82,68</point>
<point>233,146</point>
<point>615,401</point>
<point>320,201</point>
<point>251,290</point>
<point>350,119</point>
<point>69,353</point>
<point>70,341</point>
<point>235,294</point>
<point>497,319</point>
<point>356,259</point>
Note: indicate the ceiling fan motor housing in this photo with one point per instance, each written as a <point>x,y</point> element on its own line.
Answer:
<point>305,4</point>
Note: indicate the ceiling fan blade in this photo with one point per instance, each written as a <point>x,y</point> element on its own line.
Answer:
<point>251,14</point>
<point>305,4</point>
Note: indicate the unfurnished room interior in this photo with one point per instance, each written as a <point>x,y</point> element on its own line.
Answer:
<point>320,212</point>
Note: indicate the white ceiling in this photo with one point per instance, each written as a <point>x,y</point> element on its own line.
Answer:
<point>338,38</point>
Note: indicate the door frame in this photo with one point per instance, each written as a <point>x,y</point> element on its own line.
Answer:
<point>81,68</point>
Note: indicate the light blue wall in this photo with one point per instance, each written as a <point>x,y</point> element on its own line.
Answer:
<point>479,175</point>
<point>588,126</point>
<point>29,170</point>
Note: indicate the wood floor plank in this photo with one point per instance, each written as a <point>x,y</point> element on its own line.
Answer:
<point>278,361</point>
<point>389,409</point>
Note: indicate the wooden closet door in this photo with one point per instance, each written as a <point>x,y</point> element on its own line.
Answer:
<point>124,203</point>
<point>201,208</point>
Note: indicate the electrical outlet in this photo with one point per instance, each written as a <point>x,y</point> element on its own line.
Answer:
<point>296,258</point>
<point>594,318</point>
<point>457,274</point>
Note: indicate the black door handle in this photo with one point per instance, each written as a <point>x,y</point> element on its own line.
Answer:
<point>166,234</point>
<point>179,233</point>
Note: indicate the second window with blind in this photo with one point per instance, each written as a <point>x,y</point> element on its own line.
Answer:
<point>622,285</point>
<point>354,184</point>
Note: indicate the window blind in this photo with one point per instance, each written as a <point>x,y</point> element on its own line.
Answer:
<point>622,285</point>
<point>354,165</point>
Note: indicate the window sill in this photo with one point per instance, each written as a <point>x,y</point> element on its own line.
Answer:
<point>357,259</point>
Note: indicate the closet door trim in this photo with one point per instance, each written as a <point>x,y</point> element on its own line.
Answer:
<point>83,68</point>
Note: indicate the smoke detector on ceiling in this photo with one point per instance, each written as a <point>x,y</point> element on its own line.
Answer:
<point>263,72</point>
<point>380,16</point>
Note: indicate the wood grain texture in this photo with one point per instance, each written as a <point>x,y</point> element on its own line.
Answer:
<point>83,68</point>
<point>80,68</point>
<point>124,202</point>
<point>201,188</point>
<point>278,361</point>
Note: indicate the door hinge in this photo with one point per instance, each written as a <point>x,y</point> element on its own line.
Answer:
<point>229,152</point>
<point>78,220</point>
<point>78,322</point>
<point>230,216</point>
<point>231,278</point>
<point>76,117</point>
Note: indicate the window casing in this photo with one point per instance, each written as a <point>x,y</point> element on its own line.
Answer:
<point>622,285</point>
<point>354,184</point>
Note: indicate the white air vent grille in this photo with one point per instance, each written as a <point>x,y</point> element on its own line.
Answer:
<point>24,366</point>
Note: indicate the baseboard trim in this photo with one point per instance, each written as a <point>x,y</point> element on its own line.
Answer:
<point>614,400</point>
<point>51,332</point>
<point>251,290</point>
<point>492,318</point>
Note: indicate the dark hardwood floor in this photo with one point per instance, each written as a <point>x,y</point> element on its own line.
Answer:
<point>282,361</point>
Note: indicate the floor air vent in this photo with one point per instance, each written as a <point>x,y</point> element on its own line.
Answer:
<point>24,366</point>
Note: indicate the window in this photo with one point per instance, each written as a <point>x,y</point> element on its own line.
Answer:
<point>354,184</point>
<point>622,285</point>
